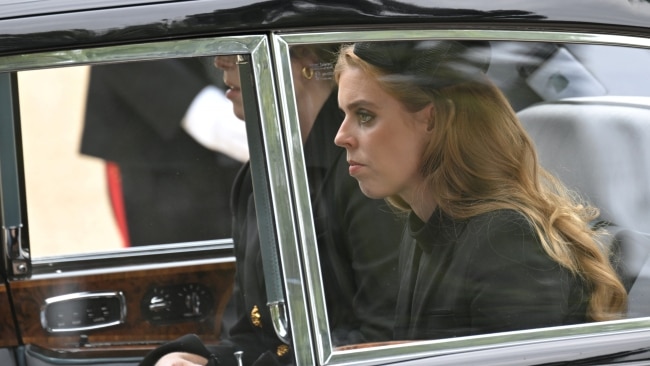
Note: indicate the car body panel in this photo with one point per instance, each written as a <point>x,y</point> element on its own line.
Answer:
<point>191,18</point>
<point>62,33</point>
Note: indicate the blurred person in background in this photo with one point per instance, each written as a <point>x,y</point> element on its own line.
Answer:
<point>172,148</point>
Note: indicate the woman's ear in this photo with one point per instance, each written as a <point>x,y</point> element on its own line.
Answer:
<point>427,117</point>
<point>432,118</point>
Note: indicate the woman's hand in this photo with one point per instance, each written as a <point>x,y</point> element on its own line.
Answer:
<point>181,359</point>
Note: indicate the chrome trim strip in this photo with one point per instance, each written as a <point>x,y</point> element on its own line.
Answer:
<point>129,268</point>
<point>280,320</point>
<point>261,191</point>
<point>304,217</point>
<point>472,34</point>
<point>152,250</point>
<point>131,52</point>
<point>326,353</point>
<point>281,195</point>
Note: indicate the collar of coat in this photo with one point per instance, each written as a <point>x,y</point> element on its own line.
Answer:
<point>440,230</point>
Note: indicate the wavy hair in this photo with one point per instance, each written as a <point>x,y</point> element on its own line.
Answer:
<point>481,159</point>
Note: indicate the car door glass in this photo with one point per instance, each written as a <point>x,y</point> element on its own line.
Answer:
<point>128,154</point>
<point>585,115</point>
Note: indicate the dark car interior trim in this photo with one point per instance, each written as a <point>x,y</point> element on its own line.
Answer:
<point>7,325</point>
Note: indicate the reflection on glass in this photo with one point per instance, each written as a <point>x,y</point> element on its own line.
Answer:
<point>67,203</point>
<point>492,242</point>
<point>128,154</point>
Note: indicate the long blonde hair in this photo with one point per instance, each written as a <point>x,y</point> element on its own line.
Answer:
<point>481,159</point>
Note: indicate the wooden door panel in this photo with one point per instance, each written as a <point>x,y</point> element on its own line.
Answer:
<point>137,332</point>
<point>7,328</point>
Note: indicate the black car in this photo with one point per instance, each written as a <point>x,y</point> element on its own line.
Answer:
<point>77,290</point>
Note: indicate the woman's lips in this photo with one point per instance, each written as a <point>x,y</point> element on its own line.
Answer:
<point>354,168</point>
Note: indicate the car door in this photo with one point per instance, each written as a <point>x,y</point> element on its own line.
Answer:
<point>78,287</point>
<point>559,83</point>
<point>110,305</point>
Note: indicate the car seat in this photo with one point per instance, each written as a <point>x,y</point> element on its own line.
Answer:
<point>600,147</point>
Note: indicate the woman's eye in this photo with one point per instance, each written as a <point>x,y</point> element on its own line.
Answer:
<point>364,117</point>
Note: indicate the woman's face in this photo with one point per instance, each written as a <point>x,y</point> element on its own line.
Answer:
<point>231,78</point>
<point>384,141</point>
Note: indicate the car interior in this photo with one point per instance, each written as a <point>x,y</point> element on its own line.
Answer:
<point>600,147</point>
<point>590,128</point>
<point>588,121</point>
<point>589,125</point>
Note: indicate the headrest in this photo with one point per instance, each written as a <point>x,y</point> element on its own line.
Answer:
<point>600,147</point>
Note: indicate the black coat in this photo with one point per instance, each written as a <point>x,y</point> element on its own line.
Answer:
<point>175,190</point>
<point>357,239</point>
<point>482,275</point>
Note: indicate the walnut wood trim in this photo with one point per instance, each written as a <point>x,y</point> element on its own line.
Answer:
<point>8,336</point>
<point>30,295</point>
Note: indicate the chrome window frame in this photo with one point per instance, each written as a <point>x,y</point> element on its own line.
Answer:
<point>275,168</point>
<point>307,251</point>
<point>255,45</point>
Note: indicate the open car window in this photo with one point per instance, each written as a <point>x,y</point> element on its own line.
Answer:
<point>62,245</point>
<point>128,153</point>
<point>66,182</point>
<point>587,116</point>
<point>117,140</point>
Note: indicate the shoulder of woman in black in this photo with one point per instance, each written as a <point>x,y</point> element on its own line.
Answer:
<point>513,282</point>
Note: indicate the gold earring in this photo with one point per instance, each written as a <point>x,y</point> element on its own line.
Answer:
<point>307,72</point>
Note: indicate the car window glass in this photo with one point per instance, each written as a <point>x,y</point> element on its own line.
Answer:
<point>128,154</point>
<point>587,118</point>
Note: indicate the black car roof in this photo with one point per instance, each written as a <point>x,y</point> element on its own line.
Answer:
<point>29,25</point>
<point>24,8</point>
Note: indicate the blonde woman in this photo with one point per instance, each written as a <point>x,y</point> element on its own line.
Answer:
<point>494,243</point>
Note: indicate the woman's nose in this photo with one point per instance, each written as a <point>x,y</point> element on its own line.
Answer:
<point>343,137</point>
